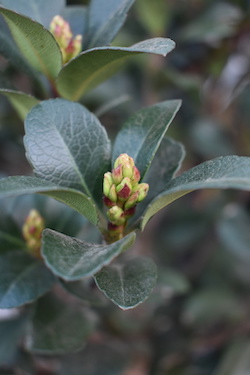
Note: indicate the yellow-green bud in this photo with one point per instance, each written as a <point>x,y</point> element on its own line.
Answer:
<point>113,194</point>
<point>116,215</point>
<point>131,201</point>
<point>143,191</point>
<point>124,189</point>
<point>32,231</point>
<point>127,164</point>
<point>107,183</point>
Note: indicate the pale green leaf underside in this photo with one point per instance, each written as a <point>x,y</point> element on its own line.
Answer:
<point>142,133</point>
<point>95,65</point>
<point>229,172</point>
<point>73,259</point>
<point>18,185</point>
<point>20,101</point>
<point>22,279</point>
<point>129,284</point>
<point>36,43</point>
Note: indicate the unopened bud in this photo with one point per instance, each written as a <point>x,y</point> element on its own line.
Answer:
<point>143,191</point>
<point>113,194</point>
<point>70,47</point>
<point>116,215</point>
<point>107,183</point>
<point>108,202</point>
<point>127,164</point>
<point>32,231</point>
<point>117,174</point>
<point>124,189</point>
<point>136,176</point>
<point>132,200</point>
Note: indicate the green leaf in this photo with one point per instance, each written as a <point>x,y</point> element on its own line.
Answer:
<point>73,259</point>
<point>105,17</point>
<point>67,145</point>
<point>76,16</point>
<point>18,185</point>
<point>23,279</point>
<point>35,42</point>
<point>41,11</point>
<point>58,326</point>
<point>129,284</point>
<point>229,172</point>
<point>96,65</point>
<point>142,133</point>
<point>20,101</point>
<point>165,164</point>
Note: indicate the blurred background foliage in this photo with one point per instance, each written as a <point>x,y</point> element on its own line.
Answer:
<point>197,321</point>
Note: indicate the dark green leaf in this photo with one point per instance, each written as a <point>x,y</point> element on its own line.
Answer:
<point>20,101</point>
<point>76,16</point>
<point>58,326</point>
<point>129,284</point>
<point>41,11</point>
<point>23,279</point>
<point>35,42</point>
<point>105,17</point>
<point>68,146</point>
<point>229,172</point>
<point>18,185</point>
<point>86,291</point>
<point>73,259</point>
<point>165,164</point>
<point>143,132</point>
<point>95,65</point>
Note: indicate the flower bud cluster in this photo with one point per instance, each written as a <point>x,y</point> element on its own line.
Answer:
<point>70,47</point>
<point>32,231</point>
<point>122,190</point>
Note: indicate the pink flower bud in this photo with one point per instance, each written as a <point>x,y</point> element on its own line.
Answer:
<point>132,200</point>
<point>136,175</point>
<point>108,202</point>
<point>124,189</point>
<point>117,174</point>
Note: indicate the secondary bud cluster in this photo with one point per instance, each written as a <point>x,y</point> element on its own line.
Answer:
<point>122,190</point>
<point>70,47</point>
<point>32,231</point>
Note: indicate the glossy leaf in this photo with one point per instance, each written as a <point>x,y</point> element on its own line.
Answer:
<point>129,284</point>
<point>20,101</point>
<point>95,65</point>
<point>229,172</point>
<point>73,259</point>
<point>41,11</point>
<point>67,145</point>
<point>105,17</point>
<point>35,42</point>
<point>58,326</point>
<point>165,164</point>
<point>142,133</point>
<point>23,279</point>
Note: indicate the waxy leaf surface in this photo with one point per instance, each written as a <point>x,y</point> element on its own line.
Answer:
<point>95,65</point>
<point>58,326</point>
<point>36,43</point>
<point>41,11</point>
<point>143,132</point>
<point>73,259</point>
<point>20,101</point>
<point>18,185</point>
<point>67,145</point>
<point>129,284</point>
<point>23,279</point>
<point>105,17</point>
<point>229,172</point>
